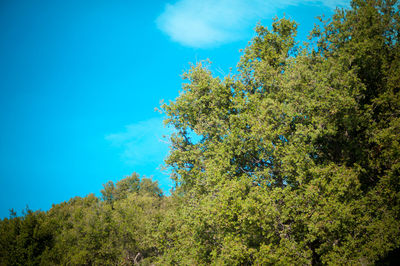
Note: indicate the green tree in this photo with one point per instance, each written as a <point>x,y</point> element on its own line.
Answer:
<point>130,184</point>
<point>23,240</point>
<point>298,156</point>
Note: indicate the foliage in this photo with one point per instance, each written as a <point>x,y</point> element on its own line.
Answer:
<point>298,161</point>
<point>87,231</point>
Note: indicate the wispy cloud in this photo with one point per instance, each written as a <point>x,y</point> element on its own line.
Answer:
<point>142,142</point>
<point>207,23</point>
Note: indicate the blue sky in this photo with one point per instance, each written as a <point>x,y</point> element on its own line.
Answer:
<point>80,79</point>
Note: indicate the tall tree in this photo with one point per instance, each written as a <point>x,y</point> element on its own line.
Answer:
<point>298,156</point>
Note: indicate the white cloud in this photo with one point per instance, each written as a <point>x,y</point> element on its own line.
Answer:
<point>207,23</point>
<point>142,143</point>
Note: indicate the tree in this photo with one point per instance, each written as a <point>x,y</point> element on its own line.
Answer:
<point>298,155</point>
<point>128,185</point>
<point>23,240</point>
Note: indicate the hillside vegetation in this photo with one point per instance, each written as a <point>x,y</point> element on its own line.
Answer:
<point>292,160</point>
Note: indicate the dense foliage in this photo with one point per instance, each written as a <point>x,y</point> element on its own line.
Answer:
<point>120,229</point>
<point>293,160</point>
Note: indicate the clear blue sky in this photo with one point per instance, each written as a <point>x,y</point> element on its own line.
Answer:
<point>79,81</point>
